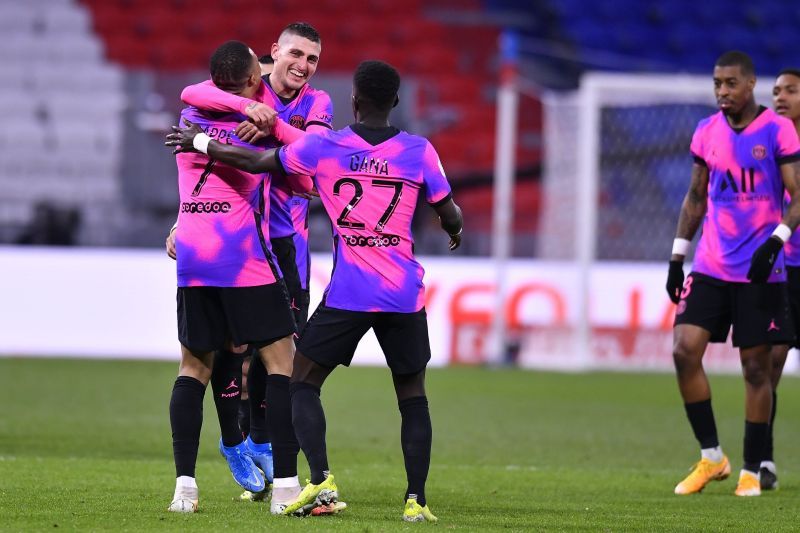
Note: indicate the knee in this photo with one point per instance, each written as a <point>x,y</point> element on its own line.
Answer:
<point>685,357</point>
<point>756,373</point>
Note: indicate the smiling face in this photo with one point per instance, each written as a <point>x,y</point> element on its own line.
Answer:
<point>786,96</point>
<point>732,88</point>
<point>296,61</point>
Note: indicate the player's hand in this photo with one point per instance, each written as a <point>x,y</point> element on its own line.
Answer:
<point>455,241</point>
<point>675,281</point>
<point>182,138</point>
<point>764,259</point>
<point>261,115</point>
<point>171,244</point>
<point>313,193</point>
<point>249,132</point>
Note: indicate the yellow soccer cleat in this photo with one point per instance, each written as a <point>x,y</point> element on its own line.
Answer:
<point>312,496</point>
<point>703,472</point>
<point>414,512</point>
<point>749,484</point>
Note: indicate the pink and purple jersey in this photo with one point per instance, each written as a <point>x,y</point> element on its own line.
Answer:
<point>300,222</point>
<point>745,190</point>
<point>222,239</point>
<point>370,193</point>
<point>309,107</point>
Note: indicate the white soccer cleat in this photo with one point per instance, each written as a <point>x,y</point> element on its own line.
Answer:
<point>186,496</point>
<point>183,505</point>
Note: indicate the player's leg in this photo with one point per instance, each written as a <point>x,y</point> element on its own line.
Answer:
<point>756,368</point>
<point>244,404</point>
<point>330,339</point>
<point>761,319</point>
<point>260,316</point>
<point>186,421</point>
<point>225,384</point>
<point>768,473</point>
<point>201,330</point>
<point>404,340</point>
<point>703,316</point>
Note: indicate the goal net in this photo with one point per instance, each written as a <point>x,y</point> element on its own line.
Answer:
<point>616,168</point>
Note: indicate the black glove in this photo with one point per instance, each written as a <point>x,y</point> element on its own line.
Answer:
<point>675,281</point>
<point>764,259</point>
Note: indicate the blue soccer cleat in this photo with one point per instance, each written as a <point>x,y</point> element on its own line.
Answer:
<point>261,454</point>
<point>242,467</point>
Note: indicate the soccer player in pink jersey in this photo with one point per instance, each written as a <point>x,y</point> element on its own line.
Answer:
<point>229,292</point>
<point>786,101</point>
<point>745,155</point>
<point>368,176</point>
<point>286,107</point>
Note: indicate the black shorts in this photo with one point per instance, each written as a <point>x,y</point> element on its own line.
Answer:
<point>284,250</point>
<point>331,337</point>
<point>208,317</point>
<point>793,279</point>
<point>759,313</point>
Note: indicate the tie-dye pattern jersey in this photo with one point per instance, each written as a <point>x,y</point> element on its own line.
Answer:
<point>300,222</point>
<point>309,107</point>
<point>222,239</point>
<point>370,194</point>
<point>745,191</point>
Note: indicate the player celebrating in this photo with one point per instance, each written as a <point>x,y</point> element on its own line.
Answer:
<point>786,100</point>
<point>229,290</point>
<point>286,105</point>
<point>368,176</point>
<point>744,156</point>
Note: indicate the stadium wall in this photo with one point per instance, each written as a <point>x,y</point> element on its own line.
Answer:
<point>106,303</point>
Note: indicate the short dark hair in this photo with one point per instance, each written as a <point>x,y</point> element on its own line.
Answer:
<point>378,82</point>
<point>266,59</point>
<point>789,70</point>
<point>733,58</point>
<point>231,62</point>
<point>303,29</point>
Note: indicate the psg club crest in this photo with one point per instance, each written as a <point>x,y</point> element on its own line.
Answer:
<point>298,122</point>
<point>759,151</point>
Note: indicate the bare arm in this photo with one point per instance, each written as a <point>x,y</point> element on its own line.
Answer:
<point>694,206</point>
<point>790,173</point>
<point>242,158</point>
<point>452,221</point>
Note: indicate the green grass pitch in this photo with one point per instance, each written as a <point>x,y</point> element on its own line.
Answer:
<point>85,445</point>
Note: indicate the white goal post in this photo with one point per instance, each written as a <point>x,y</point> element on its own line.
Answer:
<point>616,165</point>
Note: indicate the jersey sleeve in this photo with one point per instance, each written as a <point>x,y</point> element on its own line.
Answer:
<point>437,189</point>
<point>697,146</point>
<point>209,97</point>
<point>321,112</point>
<point>787,145</point>
<point>301,157</point>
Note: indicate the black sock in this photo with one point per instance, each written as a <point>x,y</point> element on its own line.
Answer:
<point>256,389</point>
<point>308,418</point>
<point>416,435</point>
<point>768,446</point>
<point>244,416</point>
<point>186,419</point>
<point>701,417</point>
<point>755,439</point>
<point>279,426</point>
<point>226,381</point>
